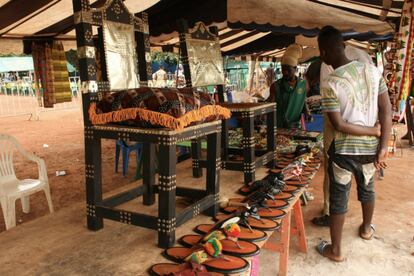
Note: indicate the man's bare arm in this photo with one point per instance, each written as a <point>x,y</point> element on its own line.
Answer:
<point>342,126</point>
<point>385,118</point>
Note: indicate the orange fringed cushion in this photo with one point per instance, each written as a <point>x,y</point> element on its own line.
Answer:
<point>174,108</point>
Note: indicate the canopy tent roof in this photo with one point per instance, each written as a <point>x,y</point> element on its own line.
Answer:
<point>248,26</point>
<point>21,18</point>
<point>48,18</point>
<point>278,15</point>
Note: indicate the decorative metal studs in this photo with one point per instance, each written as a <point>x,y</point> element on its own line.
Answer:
<point>196,210</point>
<point>88,132</point>
<point>91,71</point>
<point>90,171</point>
<point>167,183</point>
<point>218,164</point>
<point>166,225</point>
<point>88,36</point>
<point>249,167</point>
<point>196,164</point>
<point>167,141</point>
<point>103,86</point>
<point>247,114</point>
<point>90,210</point>
<point>123,136</point>
<point>248,142</point>
<point>125,217</point>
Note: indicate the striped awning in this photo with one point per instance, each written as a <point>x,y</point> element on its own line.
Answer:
<point>245,25</point>
<point>48,18</point>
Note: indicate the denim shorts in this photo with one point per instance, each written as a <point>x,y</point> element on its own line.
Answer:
<point>341,169</point>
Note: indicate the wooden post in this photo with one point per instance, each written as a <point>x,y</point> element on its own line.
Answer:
<point>148,160</point>
<point>166,194</point>
<point>213,170</point>
<point>249,166</point>
<point>271,136</point>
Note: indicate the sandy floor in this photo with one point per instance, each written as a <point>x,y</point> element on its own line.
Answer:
<point>59,244</point>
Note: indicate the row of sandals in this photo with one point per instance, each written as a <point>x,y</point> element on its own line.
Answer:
<point>220,248</point>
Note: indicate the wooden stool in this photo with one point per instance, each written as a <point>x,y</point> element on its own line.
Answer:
<point>250,161</point>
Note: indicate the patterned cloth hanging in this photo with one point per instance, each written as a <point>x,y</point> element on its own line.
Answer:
<point>51,74</point>
<point>403,48</point>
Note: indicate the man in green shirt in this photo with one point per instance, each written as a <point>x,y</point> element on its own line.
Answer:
<point>289,92</point>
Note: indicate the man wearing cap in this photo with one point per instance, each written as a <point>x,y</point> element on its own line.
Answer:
<point>289,92</point>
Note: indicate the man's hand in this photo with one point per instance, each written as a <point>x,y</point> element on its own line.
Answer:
<point>378,129</point>
<point>381,158</point>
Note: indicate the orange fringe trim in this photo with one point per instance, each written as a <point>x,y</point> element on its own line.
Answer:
<point>157,118</point>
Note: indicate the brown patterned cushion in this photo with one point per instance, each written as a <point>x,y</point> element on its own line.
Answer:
<point>173,108</point>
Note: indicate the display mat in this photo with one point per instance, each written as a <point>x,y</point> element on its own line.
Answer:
<point>300,134</point>
<point>206,63</point>
<point>120,55</point>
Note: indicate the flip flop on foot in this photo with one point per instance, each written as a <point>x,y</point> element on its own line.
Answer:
<point>325,249</point>
<point>367,236</point>
<point>321,221</point>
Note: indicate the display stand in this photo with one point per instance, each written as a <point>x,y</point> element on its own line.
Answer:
<point>92,90</point>
<point>247,112</point>
<point>288,229</point>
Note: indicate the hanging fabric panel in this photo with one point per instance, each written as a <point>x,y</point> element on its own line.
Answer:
<point>403,47</point>
<point>51,75</point>
<point>61,86</point>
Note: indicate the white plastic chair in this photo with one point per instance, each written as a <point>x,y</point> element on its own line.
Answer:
<point>12,188</point>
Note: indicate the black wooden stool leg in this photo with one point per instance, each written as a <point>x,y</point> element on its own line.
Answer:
<point>213,170</point>
<point>249,166</point>
<point>271,137</point>
<point>149,166</point>
<point>196,156</point>
<point>93,173</point>
<point>225,140</point>
<point>166,195</point>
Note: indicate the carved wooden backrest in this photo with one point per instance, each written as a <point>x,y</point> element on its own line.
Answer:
<point>115,23</point>
<point>201,55</point>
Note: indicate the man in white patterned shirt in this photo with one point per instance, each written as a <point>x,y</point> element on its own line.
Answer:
<point>355,97</point>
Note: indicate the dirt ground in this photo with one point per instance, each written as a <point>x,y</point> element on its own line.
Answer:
<point>61,245</point>
<point>58,138</point>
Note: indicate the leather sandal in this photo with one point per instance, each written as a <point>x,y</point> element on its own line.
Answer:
<point>246,234</point>
<point>231,246</point>
<point>185,269</point>
<point>256,204</point>
<point>251,221</point>
<point>210,255</point>
<point>228,234</point>
<point>284,196</point>
<point>272,183</point>
<point>292,189</point>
